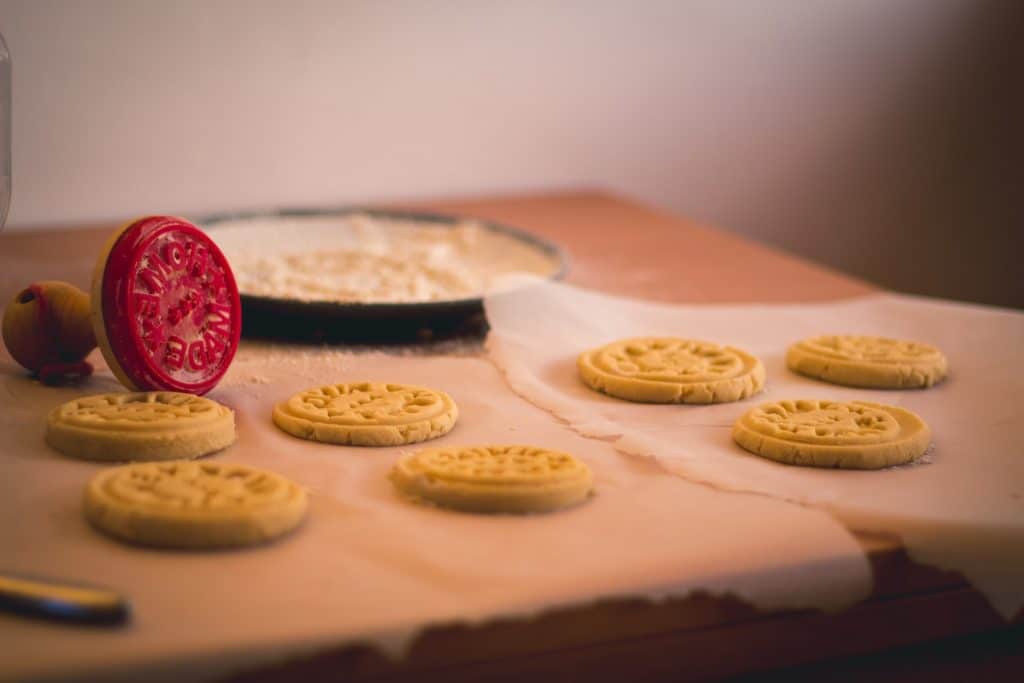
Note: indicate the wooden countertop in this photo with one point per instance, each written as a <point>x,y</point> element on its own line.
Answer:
<point>620,247</point>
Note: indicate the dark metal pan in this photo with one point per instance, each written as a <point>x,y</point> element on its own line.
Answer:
<point>371,323</point>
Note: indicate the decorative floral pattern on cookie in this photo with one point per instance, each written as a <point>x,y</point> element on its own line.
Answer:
<point>670,370</point>
<point>367,414</point>
<point>494,478</point>
<point>853,434</point>
<point>154,425</point>
<point>185,504</point>
<point>869,362</point>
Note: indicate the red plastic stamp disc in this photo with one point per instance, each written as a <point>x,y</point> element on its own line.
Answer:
<point>166,310</point>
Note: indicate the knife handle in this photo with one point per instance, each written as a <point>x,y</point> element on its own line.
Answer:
<point>61,601</point>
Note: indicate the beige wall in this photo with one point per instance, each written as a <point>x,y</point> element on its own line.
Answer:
<point>864,133</point>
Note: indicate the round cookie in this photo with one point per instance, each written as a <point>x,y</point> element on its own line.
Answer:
<point>853,434</point>
<point>185,504</point>
<point>669,370</point>
<point>367,414</point>
<point>868,362</point>
<point>156,425</point>
<point>494,478</point>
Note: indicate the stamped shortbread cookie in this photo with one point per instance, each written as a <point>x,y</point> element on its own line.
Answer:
<point>367,414</point>
<point>494,478</point>
<point>187,504</point>
<point>669,370</point>
<point>870,362</point>
<point>853,434</point>
<point>155,425</point>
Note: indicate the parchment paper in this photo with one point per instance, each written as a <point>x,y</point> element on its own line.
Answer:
<point>962,508</point>
<point>368,566</point>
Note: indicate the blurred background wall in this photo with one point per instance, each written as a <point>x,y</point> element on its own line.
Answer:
<point>877,136</point>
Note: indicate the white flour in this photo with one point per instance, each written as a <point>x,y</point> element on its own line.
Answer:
<point>368,259</point>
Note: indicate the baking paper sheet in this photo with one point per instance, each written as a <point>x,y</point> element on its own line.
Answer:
<point>368,566</point>
<point>960,508</point>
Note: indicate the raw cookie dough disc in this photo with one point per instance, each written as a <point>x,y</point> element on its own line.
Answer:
<point>165,307</point>
<point>854,434</point>
<point>871,362</point>
<point>669,370</point>
<point>158,425</point>
<point>185,504</point>
<point>494,478</point>
<point>367,414</point>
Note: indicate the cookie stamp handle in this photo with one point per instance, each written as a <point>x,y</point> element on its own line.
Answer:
<point>46,330</point>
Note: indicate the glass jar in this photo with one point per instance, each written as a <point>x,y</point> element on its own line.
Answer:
<point>5,131</point>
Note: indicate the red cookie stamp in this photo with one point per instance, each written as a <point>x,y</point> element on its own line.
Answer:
<point>166,310</point>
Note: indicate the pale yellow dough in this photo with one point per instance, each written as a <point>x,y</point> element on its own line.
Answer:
<point>188,504</point>
<point>870,362</point>
<point>494,478</point>
<point>155,425</point>
<point>367,414</point>
<point>853,434</point>
<point>669,370</point>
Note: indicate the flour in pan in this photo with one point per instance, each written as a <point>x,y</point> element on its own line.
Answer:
<point>369,259</point>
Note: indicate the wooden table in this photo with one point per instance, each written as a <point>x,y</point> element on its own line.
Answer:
<point>620,247</point>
